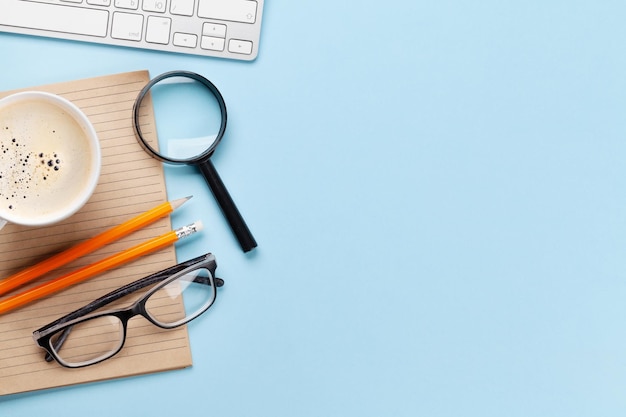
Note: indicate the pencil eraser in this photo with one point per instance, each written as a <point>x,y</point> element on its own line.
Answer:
<point>199,226</point>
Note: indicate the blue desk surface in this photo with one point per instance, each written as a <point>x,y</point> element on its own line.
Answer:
<point>438,190</point>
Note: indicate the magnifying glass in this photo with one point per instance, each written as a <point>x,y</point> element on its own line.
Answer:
<point>193,113</point>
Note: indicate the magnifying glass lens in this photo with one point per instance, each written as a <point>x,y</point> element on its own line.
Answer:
<point>187,118</point>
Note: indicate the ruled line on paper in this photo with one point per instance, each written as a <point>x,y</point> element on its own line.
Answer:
<point>131,182</point>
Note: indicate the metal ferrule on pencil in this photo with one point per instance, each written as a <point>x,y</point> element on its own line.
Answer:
<point>188,230</point>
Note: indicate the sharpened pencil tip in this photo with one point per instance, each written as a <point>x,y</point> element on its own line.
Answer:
<point>177,203</point>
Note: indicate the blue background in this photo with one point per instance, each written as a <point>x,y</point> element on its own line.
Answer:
<point>438,190</point>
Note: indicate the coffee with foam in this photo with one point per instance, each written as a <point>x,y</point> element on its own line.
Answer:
<point>46,162</point>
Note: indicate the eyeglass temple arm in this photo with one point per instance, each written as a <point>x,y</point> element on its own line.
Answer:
<point>59,342</point>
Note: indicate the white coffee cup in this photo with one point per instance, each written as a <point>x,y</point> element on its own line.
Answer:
<point>50,159</point>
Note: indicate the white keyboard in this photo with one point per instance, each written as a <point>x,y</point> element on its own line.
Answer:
<point>218,28</point>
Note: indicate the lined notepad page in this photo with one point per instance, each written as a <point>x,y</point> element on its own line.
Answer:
<point>131,183</point>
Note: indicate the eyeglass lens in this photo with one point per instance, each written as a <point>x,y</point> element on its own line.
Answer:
<point>99,338</point>
<point>195,289</point>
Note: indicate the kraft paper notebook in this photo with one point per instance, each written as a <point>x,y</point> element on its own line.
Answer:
<point>131,182</point>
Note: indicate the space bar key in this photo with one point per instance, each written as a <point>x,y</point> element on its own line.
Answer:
<point>55,18</point>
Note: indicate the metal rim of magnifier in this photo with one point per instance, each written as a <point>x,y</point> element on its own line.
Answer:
<point>204,156</point>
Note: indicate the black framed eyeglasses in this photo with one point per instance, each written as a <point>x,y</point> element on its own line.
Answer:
<point>179,294</point>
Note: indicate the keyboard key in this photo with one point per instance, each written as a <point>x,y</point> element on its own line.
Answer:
<point>213,44</point>
<point>99,2</point>
<point>186,40</point>
<point>127,26</point>
<point>214,29</point>
<point>24,14</point>
<point>127,4</point>
<point>237,46</point>
<point>154,6</point>
<point>158,30</point>
<point>235,10</point>
<point>182,7</point>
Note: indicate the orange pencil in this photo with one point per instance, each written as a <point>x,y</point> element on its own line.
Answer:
<point>89,271</point>
<point>90,245</point>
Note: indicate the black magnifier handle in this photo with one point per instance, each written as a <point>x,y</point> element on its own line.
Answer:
<point>236,222</point>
